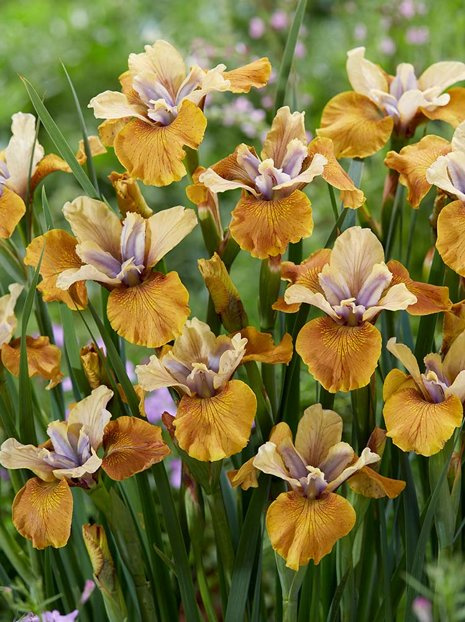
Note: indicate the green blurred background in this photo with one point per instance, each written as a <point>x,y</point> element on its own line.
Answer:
<point>93,40</point>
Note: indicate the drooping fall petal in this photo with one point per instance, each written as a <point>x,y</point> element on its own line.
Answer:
<point>369,483</point>
<point>265,228</point>
<point>355,124</point>
<point>260,347</point>
<point>335,175</point>
<point>59,255</point>
<point>302,529</point>
<point>213,428</point>
<point>42,512</point>
<point>246,477</point>
<point>131,446</point>
<point>43,359</point>
<point>151,313</point>
<point>415,424</point>
<point>430,298</point>
<point>255,74</point>
<point>12,209</point>
<point>341,358</point>
<point>413,161</point>
<point>154,153</point>
<point>451,234</point>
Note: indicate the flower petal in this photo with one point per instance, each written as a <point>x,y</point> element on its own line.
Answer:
<point>59,255</point>
<point>265,228</point>
<point>413,161</point>
<point>94,221</point>
<point>255,74</point>
<point>213,428</point>
<point>15,455</point>
<point>246,477</point>
<point>12,209</point>
<point>406,357</point>
<point>260,347</point>
<point>91,412</point>
<point>341,358</point>
<point>167,229</point>
<point>131,446</point>
<point>42,512</point>
<point>415,424</point>
<point>317,431</point>
<point>155,153</point>
<point>154,375</point>
<point>453,112</point>
<point>43,359</point>
<point>364,76</point>
<point>355,124</point>
<point>397,298</point>
<point>115,105</point>
<point>7,312</point>
<point>451,234</point>
<point>430,298</point>
<point>302,529</point>
<point>369,483</point>
<point>163,60</point>
<point>335,175</point>
<point>442,75</point>
<point>151,313</point>
<point>299,293</point>
<point>286,126</point>
<point>129,195</point>
<point>19,152</point>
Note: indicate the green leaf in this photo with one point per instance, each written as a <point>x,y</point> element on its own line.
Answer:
<point>59,141</point>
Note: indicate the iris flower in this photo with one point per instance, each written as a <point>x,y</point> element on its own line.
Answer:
<point>43,358</point>
<point>145,307</point>
<point>304,523</point>
<point>43,508</point>
<point>23,165</point>
<point>159,111</point>
<point>273,211</point>
<point>352,284</point>
<point>422,410</point>
<point>215,414</point>
<point>360,122</point>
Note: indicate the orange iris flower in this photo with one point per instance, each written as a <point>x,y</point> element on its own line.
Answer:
<point>159,111</point>
<point>360,122</point>
<point>43,508</point>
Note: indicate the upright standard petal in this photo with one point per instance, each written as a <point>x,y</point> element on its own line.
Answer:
<point>214,428</point>
<point>255,74</point>
<point>166,229</point>
<point>151,313</point>
<point>451,234</point>
<point>265,228</point>
<point>131,445</point>
<point>42,512</point>
<point>442,75</point>
<point>364,76</point>
<point>302,529</point>
<point>341,358</point>
<point>12,209</point>
<point>355,124</point>
<point>286,127</point>
<point>58,255</point>
<point>318,431</point>
<point>91,412</point>
<point>22,151</point>
<point>155,153</point>
<point>93,221</point>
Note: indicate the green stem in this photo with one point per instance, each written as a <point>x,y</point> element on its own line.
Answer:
<point>264,412</point>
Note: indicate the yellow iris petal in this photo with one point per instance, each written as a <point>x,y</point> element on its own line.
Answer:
<point>451,234</point>
<point>355,124</point>
<point>213,428</point>
<point>43,359</point>
<point>131,446</point>
<point>155,153</point>
<point>151,313</point>
<point>341,358</point>
<point>453,112</point>
<point>12,209</point>
<point>302,529</point>
<point>42,512</point>
<point>265,228</point>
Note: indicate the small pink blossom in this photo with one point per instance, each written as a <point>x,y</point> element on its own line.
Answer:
<point>360,32</point>
<point>387,46</point>
<point>407,9</point>
<point>300,50</point>
<point>256,28</point>
<point>267,102</point>
<point>422,609</point>
<point>417,35</point>
<point>279,20</point>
